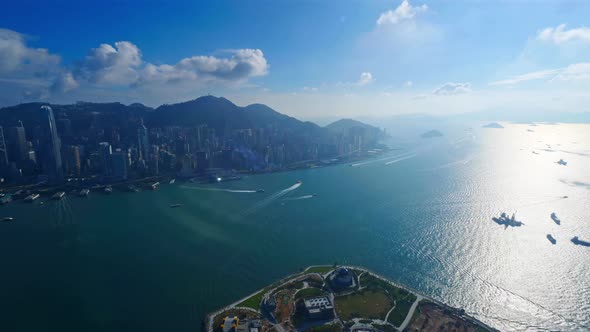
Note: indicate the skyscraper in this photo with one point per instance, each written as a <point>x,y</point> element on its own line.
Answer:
<point>119,163</point>
<point>143,141</point>
<point>17,143</point>
<point>105,151</point>
<point>50,146</point>
<point>3,156</point>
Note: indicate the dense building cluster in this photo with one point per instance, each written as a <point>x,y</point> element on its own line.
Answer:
<point>58,145</point>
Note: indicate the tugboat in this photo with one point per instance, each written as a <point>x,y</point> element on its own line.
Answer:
<point>551,239</point>
<point>58,195</point>
<point>31,198</point>
<point>577,241</point>
<point>506,221</point>
<point>84,193</point>
<point>554,217</point>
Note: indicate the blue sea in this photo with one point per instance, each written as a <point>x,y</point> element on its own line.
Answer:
<point>420,215</point>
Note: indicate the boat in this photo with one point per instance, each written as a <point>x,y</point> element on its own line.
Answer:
<point>172,181</point>
<point>561,162</point>
<point>564,197</point>
<point>506,221</point>
<point>58,195</point>
<point>31,197</point>
<point>551,239</point>
<point>84,192</point>
<point>6,199</point>
<point>108,190</point>
<point>7,219</point>
<point>579,242</point>
<point>554,217</point>
<point>175,205</point>
<point>259,190</point>
<point>299,181</point>
<point>132,188</point>
<point>155,186</point>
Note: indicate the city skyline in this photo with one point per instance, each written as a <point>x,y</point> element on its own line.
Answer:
<point>313,60</point>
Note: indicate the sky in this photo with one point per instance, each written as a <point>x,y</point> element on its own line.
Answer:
<point>307,58</point>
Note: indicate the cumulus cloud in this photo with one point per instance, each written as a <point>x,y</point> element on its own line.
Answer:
<point>108,64</point>
<point>19,60</point>
<point>560,35</point>
<point>64,83</point>
<point>405,11</point>
<point>573,72</point>
<point>366,78</point>
<point>451,88</point>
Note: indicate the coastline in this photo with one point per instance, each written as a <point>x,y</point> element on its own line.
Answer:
<point>264,293</point>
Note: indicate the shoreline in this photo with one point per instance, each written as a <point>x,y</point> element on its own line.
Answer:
<point>208,321</point>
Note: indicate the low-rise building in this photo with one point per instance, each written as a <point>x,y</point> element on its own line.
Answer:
<point>318,307</point>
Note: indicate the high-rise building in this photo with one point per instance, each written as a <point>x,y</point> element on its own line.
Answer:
<point>50,147</point>
<point>143,141</point>
<point>16,142</point>
<point>119,160</point>
<point>73,160</point>
<point>3,155</point>
<point>105,151</point>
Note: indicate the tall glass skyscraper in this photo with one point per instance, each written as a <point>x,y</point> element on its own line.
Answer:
<point>50,147</point>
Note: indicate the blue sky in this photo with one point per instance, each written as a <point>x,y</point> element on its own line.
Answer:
<point>306,58</point>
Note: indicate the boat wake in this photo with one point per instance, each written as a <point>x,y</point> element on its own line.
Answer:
<point>220,189</point>
<point>380,159</point>
<point>265,202</point>
<point>298,198</point>
<point>400,159</point>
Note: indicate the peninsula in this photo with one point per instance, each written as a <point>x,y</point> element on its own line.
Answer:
<point>339,298</point>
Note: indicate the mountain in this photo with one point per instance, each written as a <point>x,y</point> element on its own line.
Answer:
<point>493,125</point>
<point>431,134</point>
<point>222,115</point>
<point>346,124</point>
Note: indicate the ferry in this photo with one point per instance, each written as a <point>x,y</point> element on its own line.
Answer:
<point>506,221</point>
<point>577,241</point>
<point>175,205</point>
<point>6,219</point>
<point>554,218</point>
<point>108,190</point>
<point>58,195</point>
<point>84,193</point>
<point>31,197</point>
<point>551,239</point>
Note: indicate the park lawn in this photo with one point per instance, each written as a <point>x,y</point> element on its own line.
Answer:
<point>399,313</point>
<point>253,301</point>
<point>373,304</point>
<point>308,292</point>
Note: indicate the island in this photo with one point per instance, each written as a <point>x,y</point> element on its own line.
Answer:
<point>493,125</point>
<point>431,134</point>
<point>338,298</point>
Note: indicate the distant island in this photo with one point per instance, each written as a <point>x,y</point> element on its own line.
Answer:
<point>431,134</point>
<point>493,125</point>
<point>339,298</point>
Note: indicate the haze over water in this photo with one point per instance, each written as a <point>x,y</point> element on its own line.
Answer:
<point>420,215</point>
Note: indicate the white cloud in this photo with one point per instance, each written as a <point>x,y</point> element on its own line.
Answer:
<point>451,88</point>
<point>19,60</point>
<point>536,75</point>
<point>405,11</point>
<point>111,65</point>
<point>366,78</point>
<point>573,72</point>
<point>408,84</point>
<point>560,35</point>
<point>64,83</point>
<point>310,89</point>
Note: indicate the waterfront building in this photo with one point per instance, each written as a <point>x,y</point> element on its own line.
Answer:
<point>16,142</point>
<point>143,141</point>
<point>318,307</point>
<point>3,155</point>
<point>119,161</point>
<point>49,147</point>
<point>105,151</point>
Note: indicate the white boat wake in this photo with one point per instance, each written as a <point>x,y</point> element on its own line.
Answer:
<point>298,198</point>
<point>380,159</point>
<point>271,198</point>
<point>400,159</point>
<point>220,189</point>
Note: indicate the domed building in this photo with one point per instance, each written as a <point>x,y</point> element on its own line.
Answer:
<point>342,278</point>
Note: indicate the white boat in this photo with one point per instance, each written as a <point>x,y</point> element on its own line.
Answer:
<point>84,192</point>
<point>172,181</point>
<point>31,197</point>
<point>108,190</point>
<point>58,195</point>
<point>7,219</point>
